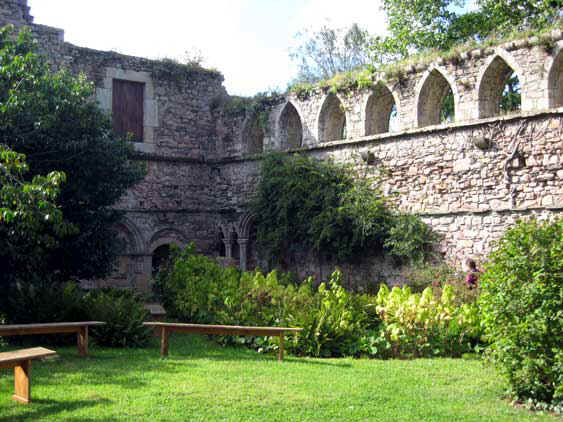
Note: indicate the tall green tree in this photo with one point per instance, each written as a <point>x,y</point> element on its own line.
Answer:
<point>51,117</point>
<point>28,215</point>
<point>328,51</point>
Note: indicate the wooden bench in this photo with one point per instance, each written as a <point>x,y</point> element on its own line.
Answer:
<point>20,360</point>
<point>80,328</point>
<point>224,330</point>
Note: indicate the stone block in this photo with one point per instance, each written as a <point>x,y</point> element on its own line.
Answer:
<point>462,165</point>
<point>150,117</point>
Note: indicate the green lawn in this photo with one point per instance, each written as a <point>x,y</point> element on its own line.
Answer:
<point>203,382</point>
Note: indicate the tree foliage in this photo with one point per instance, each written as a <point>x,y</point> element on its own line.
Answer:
<point>51,118</point>
<point>422,25</point>
<point>329,51</point>
<point>28,214</point>
<point>522,309</point>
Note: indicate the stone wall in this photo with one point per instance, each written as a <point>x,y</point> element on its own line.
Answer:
<point>469,178</point>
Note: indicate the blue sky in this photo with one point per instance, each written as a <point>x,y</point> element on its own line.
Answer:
<point>247,40</point>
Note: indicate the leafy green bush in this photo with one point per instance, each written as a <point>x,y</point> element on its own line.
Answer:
<point>123,313</point>
<point>409,239</point>
<point>193,286</point>
<point>334,322</point>
<point>197,289</point>
<point>27,303</point>
<point>417,325</point>
<point>41,302</point>
<point>522,309</point>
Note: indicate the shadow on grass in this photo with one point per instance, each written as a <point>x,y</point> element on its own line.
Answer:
<point>45,408</point>
<point>194,347</point>
<point>128,368</point>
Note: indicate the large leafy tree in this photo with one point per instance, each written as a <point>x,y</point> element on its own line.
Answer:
<point>419,25</point>
<point>51,117</point>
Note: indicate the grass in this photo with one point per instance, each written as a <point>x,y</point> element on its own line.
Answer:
<point>203,382</point>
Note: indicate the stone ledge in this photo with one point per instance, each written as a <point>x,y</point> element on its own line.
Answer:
<point>394,136</point>
<point>489,211</point>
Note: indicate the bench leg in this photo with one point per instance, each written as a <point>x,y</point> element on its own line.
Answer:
<point>280,354</point>
<point>22,382</point>
<point>163,342</point>
<point>82,341</point>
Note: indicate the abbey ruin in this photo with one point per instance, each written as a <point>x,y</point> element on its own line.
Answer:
<point>469,178</point>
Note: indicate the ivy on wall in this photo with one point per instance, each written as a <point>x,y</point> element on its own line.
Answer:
<point>303,204</point>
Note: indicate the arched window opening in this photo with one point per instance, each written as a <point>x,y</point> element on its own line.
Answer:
<point>291,130</point>
<point>499,92</point>
<point>555,81</point>
<point>160,258</point>
<point>332,120</point>
<point>435,101</point>
<point>380,109</point>
<point>253,136</point>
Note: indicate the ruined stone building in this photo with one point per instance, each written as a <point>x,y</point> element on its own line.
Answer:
<point>469,177</point>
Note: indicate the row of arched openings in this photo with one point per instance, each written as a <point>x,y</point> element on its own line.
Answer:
<point>498,93</point>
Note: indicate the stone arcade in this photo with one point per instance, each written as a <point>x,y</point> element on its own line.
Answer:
<point>469,179</point>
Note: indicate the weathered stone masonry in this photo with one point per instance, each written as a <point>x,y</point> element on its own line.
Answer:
<point>469,179</point>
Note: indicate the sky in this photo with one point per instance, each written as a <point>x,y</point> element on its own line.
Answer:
<point>247,40</point>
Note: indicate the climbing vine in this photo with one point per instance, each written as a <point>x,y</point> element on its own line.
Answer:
<point>303,204</point>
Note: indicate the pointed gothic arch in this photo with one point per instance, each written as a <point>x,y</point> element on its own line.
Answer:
<point>290,127</point>
<point>379,109</point>
<point>493,81</point>
<point>436,90</point>
<point>332,120</point>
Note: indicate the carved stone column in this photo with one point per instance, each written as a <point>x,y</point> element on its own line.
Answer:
<point>228,242</point>
<point>243,242</point>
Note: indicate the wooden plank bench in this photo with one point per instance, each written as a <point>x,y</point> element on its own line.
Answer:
<point>80,328</point>
<point>224,330</point>
<point>20,360</point>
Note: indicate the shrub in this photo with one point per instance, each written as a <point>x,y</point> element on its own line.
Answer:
<point>417,325</point>
<point>334,321</point>
<point>194,286</point>
<point>409,239</point>
<point>522,309</point>
<point>40,302</point>
<point>123,313</point>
